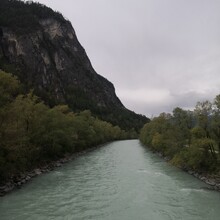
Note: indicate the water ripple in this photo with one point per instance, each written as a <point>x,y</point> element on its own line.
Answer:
<point>116,182</point>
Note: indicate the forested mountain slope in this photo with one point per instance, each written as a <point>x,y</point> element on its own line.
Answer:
<point>41,47</point>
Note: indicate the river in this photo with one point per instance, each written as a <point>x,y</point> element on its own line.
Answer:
<point>119,181</point>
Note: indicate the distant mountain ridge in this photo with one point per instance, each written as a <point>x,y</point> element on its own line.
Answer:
<point>41,48</point>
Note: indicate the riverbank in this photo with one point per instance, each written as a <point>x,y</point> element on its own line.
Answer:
<point>17,181</point>
<point>212,180</point>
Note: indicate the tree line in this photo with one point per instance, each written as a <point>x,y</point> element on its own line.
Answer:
<point>31,133</point>
<point>23,19</point>
<point>189,139</point>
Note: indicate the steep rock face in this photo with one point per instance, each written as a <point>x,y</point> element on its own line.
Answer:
<point>39,46</point>
<point>52,61</point>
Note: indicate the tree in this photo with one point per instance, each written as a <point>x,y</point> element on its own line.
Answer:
<point>9,87</point>
<point>203,112</point>
<point>215,123</point>
<point>183,120</point>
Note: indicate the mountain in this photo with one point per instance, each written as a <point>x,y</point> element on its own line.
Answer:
<point>41,48</point>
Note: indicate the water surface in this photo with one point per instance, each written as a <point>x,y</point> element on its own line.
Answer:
<point>120,181</point>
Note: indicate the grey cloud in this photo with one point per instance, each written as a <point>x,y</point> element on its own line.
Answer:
<point>165,52</point>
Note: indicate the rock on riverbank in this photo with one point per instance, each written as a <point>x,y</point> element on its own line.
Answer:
<point>212,180</point>
<point>16,181</point>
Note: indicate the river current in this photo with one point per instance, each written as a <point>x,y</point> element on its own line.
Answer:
<point>119,181</point>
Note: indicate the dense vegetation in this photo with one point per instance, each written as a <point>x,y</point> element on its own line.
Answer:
<point>31,133</point>
<point>125,118</point>
<point>23,20</point>
<point>190,139</point>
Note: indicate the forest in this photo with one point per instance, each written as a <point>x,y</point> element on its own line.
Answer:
<point>188,139</point>
<point>31,133</point>
<point>23,19</point>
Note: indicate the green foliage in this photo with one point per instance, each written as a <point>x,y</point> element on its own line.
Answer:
<point>183,120</point>
<point>122,117</point>
<point>198,132</point>
<point>32,133</point>
<point>9,87</point>
<point>203,111</point>
<point>188,159</point>
<point>197,157</point>
<point>24,18</point>
<point>161,135</point>
<point>191,140</point>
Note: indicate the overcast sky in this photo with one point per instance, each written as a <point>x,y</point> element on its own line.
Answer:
<point>159,54</point>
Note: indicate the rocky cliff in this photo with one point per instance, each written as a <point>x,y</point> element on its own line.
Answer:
<point>52,61</point>
<point>41,48</point>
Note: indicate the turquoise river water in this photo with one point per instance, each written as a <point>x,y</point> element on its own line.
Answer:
<point>119,181</point>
